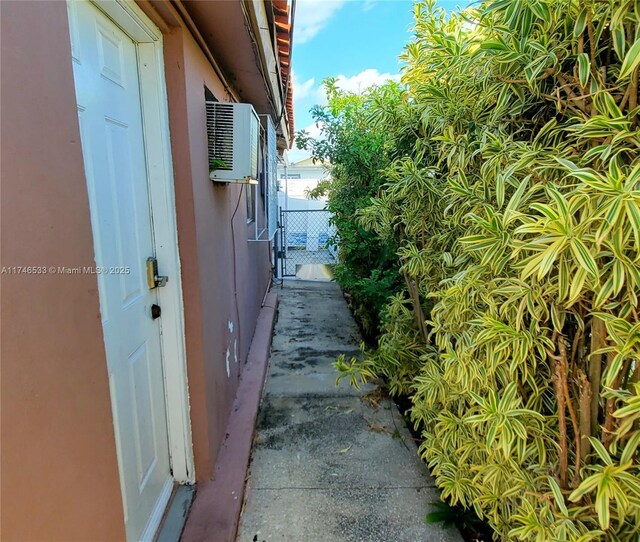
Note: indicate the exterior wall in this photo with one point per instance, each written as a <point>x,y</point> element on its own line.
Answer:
<point>294,198</point>
<point>59,468</point>
<point>216,326</point>
<point>292,193</point>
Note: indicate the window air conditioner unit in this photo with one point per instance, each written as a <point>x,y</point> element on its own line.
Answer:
<point>233,135</point>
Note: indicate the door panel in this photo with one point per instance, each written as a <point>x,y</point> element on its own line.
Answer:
<point>107,90</point>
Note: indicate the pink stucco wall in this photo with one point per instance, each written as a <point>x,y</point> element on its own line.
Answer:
<point>204,211</point>
<point>59,470</point>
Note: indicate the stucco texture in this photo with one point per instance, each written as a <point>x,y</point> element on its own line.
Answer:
<point>59,469</point>
<point>220,313</point>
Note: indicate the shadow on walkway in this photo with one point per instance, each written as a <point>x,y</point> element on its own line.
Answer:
<point>328,465</point>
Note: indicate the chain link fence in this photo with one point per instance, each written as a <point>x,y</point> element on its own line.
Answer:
<point>305,239</point>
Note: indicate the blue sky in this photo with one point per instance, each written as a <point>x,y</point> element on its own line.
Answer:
<point>356,41</point>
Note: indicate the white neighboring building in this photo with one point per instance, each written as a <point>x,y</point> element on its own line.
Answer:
<point>305,231</point>
<point>301,177</point>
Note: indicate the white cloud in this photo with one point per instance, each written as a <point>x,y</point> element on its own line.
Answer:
<point>301,89</point>
<point>314,129</point>
<point>359,83</point>
<point>368,5</point>
<point>312,16</point>
<point>365,79</point>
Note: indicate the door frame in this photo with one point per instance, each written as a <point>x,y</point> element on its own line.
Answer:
<point>155,126</point>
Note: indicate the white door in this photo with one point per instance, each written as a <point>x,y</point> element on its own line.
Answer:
<point>109,108</point>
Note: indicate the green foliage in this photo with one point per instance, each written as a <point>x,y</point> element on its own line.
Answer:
<point>508,186</point>
<point>217,163</point>
<point>367,266</point>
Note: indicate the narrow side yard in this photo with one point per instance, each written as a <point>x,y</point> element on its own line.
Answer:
<point>330,463</point>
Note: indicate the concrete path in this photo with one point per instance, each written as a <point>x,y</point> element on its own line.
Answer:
<point>328,465</point>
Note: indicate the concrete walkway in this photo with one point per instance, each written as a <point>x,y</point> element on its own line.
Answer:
<point>328,465</point>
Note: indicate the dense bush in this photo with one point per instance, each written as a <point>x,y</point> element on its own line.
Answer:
<point>367,268</point>
<point>511,195</point>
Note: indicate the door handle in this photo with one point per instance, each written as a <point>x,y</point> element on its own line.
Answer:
<point>153,279</point>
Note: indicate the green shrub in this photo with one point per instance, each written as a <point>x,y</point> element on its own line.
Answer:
<point>515,214</point>
<point>367,267</point>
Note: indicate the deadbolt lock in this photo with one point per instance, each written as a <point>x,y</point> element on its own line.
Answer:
<point>153,279</point>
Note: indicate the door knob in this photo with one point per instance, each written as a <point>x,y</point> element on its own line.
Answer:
<point>156,311</point>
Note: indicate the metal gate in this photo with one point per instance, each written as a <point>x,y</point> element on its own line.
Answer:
<point>305,240</point>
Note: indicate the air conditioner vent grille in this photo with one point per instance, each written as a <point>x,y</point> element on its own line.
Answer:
<point>233,141</point>
<point>220,123</point>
